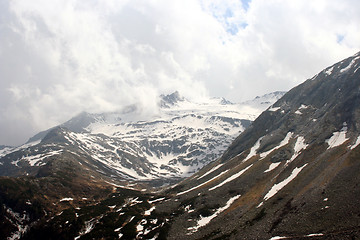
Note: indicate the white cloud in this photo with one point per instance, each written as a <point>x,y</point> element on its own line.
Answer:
<point>60,57</point>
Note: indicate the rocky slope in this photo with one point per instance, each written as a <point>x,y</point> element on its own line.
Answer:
<point>292,174</point>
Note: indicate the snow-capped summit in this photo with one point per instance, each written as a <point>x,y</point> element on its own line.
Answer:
<point>177,141</point>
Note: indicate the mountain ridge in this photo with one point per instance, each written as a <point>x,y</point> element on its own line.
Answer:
<point>291,174</point>
<point>175,144</point>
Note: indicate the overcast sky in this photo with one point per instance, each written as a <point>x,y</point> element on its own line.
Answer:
<point>61,57</point>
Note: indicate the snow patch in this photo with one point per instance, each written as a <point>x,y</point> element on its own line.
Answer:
<point>8,150</point>
<point>273,109</point>
<point>338,138</point>
<point>180,193</point>
<point>281,144</point>
<point>211,170</point>
<point>34,160</point>
<point>349,66</point>
<point>272,167</point>
<point>20,221</point>
<point>205,220</point>
<point>231,178</point>
<point>303,107</point>
<point>314,235</point>
<point>277,187</point>
<point>156,200</point>
<point>66,199</point>
<point>148,212</point>
<point>253,150</point>
<point>133,201</point>
<point>329,70</point>
<point>300,108</point>
<point>299,146</point>
<point>356,143</point>
<point>140,227</point>
<point>89,226</point>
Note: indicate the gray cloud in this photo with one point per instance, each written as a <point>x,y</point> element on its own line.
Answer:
<point>58,58</point>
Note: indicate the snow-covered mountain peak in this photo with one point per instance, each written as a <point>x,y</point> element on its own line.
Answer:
<point>175,141</point>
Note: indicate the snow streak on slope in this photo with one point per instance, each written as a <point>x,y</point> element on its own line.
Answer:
<point>205,220</point>
<point>253,150</point>
<point>211,170</point>
<point>299,146</point>
<point>272,167</point>
<point>202,184</point>
<point>281,144</point>
<point>236,175</point>
<point>277,187</point>
<point>356,143</point>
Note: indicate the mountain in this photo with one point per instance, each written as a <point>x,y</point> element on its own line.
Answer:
<point>87,170</point>
<point>179,140</point>
<point>293,174</point>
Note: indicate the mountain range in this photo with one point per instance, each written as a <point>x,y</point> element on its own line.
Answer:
<point>175,143</point>
<point>292,173</point>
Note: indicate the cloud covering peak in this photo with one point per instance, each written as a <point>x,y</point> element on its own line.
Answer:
<point>60,57</point>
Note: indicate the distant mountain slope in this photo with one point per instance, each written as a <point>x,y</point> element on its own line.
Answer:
<point>176,142</point>
<point>292,174</point>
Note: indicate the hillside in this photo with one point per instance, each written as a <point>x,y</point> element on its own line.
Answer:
<point>292,174</point>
